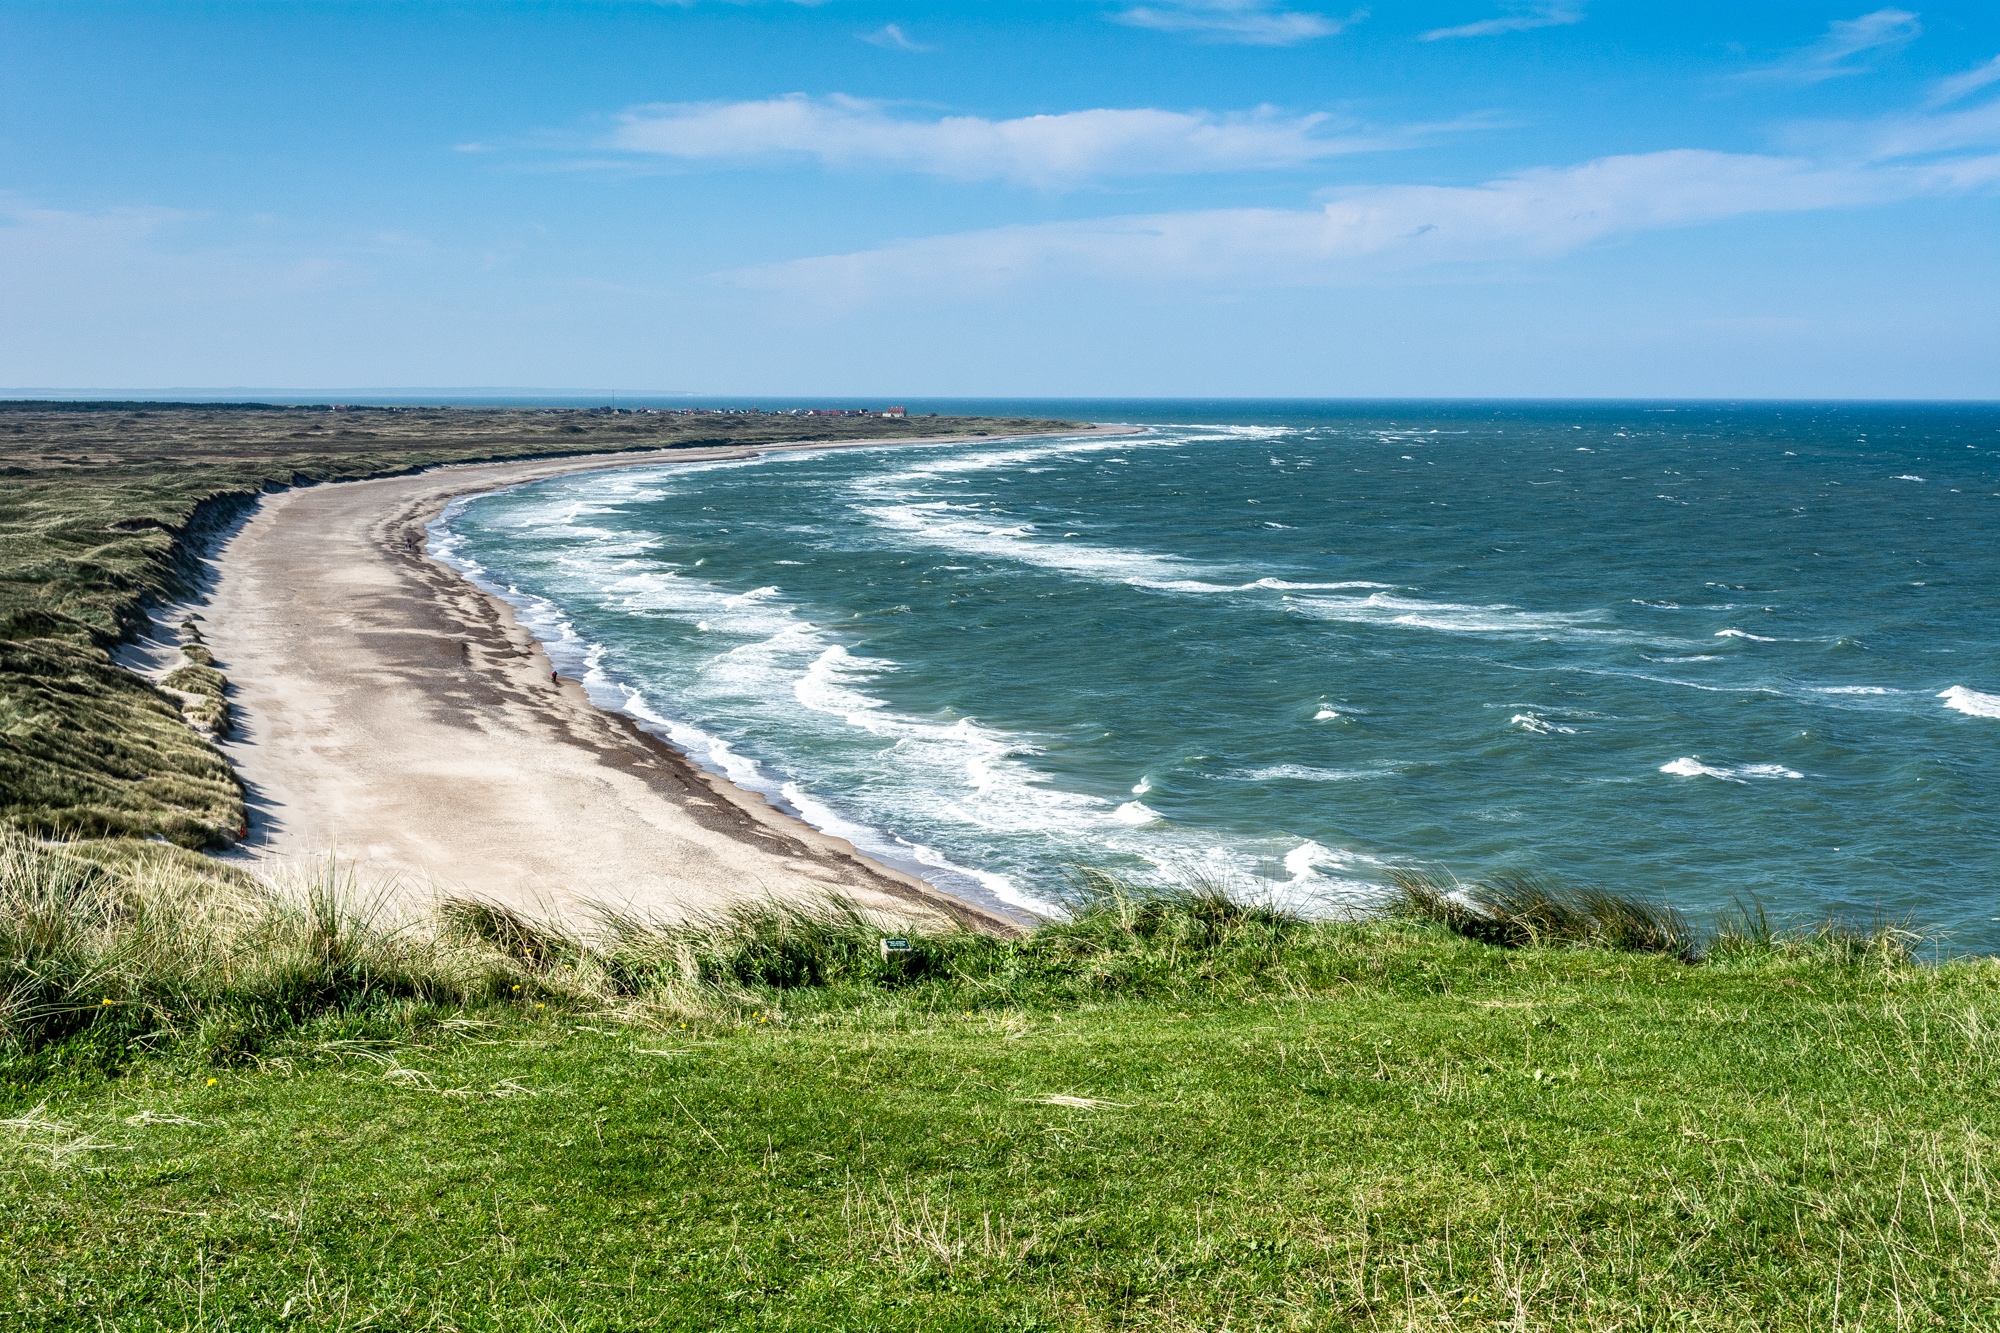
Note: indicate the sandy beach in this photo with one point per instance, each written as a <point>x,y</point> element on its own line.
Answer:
<point>392,713</point>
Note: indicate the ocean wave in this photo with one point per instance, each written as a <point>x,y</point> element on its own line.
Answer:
<point>1852,689</point>
<point>1285,585</point>
<point>1137,812</point>
<point>1306,773</point>
<point>933,525</point>
<point>1743,634</point>
<point>1306,866</point>
<point>1692,767</point>
<point>1539,726</point>
<point>1451,617</point>
<point>1971,701</point>
<point>894,847</point>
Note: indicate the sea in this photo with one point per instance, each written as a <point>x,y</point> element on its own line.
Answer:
<point>1721,654</point>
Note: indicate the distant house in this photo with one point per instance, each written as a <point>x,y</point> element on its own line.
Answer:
<point>895,411</point>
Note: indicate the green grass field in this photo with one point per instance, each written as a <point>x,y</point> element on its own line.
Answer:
<point>1169,1115</point>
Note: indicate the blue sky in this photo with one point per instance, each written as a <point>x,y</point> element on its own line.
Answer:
<point>1072,197</point>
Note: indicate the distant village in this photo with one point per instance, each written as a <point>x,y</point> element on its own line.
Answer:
<point>741,411</point>
<point>616,411</point>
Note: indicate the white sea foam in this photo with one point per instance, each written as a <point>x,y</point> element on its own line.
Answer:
<point>1742,634</point>
<point>1852,689</point>
<point>1136,812</point>
<point>1287,586</point>
<point>1971,701</point>
<point>1324,715</point>
<point>1382,609</point>
<point>891,847</point>
<point>934,524</point>
<point>1692,767</point>
<point>1906,477</point>
<point>1306,867</point>
<point>1539,726</point>
<point>1306,773</point>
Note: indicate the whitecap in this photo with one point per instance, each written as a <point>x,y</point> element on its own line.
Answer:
<point>1971,701</point>
<point>1306,864</point>
<point>1285,585</point>
<point>1136,812</point>
<point>1305,773</point>
<point>1692,767</point>
<point>1852,689</point>
<point>1324,715</point>
<point>1539,726</point>
<point>1742,634</point>
<point>1381,609</point>
<point>1906,477</point>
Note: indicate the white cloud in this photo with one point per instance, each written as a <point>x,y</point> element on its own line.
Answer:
<point>1244,22</point>
<point>1832,56</point>
<point>1037,150</point>
<point>892,36</point>
<point>1961,85</point>
<point>1369,233</point>
<point>1519,18</point>
<point>1903,134</point>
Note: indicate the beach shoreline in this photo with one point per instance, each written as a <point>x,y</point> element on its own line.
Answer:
<point>393,713</point>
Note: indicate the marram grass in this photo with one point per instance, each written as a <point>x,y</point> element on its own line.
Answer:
<point>1167,1112</point>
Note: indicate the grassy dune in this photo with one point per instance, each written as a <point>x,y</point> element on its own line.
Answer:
<point>228,1107</point>
<point>101,509</point>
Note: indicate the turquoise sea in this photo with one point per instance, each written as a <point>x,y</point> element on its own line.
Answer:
<point>1716,652</point>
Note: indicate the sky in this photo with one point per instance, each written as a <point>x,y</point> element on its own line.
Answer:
<point>1258,198</point>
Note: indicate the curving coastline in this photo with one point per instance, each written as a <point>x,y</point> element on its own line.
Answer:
<point>396,714</point>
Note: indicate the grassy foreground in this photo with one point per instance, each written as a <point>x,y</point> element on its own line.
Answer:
<point>102,510</point>
<point>233,1109</point>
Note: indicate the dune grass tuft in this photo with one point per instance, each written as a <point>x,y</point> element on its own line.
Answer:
<point>1514,910</point>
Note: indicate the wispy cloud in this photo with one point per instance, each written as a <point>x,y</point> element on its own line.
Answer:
<point>1901,135</point>
<point>1949,90</point>
<point>1035,150</point>
<point>1243,22</point>
<point>1375,232</point>
<point>892,36</point>
<point>1518,18</point>
<point>1835,54</point>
